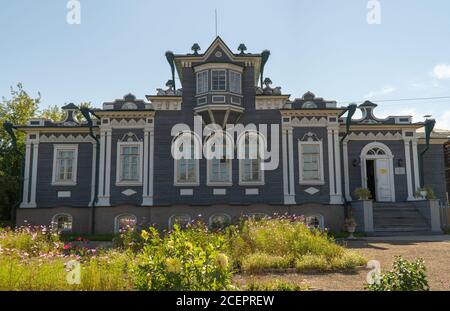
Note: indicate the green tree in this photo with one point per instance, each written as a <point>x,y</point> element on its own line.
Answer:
<point>55,113</point>
<point>17,109</point>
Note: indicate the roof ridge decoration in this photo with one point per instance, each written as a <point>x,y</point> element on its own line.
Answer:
<point>268,90</point>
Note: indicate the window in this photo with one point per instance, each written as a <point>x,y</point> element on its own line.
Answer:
<point>180,220</point>
<point>220,171</point>
<point>235,82</point>
<point>250,162</point>
<point>125,222</point>
<point>129,163</point>
<point>311,163</point>
<point>219,221</point>
<point>202,82</point>
<point>218,80</point>
<point>62,223</point>
<point>315,221</point>
<point>186,168</point>
<point>65,165</point>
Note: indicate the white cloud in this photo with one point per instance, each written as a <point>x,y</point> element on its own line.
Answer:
<point>383,91</point>
<point>441,71</point>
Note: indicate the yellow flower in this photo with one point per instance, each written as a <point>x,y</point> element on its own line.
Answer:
<point>170,244</point>
<point>222,260</point>
<point>173,265</point>
<point>189,246</point>
<point>145,235</point>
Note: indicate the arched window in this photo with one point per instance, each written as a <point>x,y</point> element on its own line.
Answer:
<point>376,151</point>
<point>62,223</point>
<point>309,105</point>
<point>181,220</point>
<point>258,216</point>
<point>186,148</point>
<point>219,153</point>
<point>315,221</point>
<point>251,152</point>
<point>125,222</point>
<point>219,221</point>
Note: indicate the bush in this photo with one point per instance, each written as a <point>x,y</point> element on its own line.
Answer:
<point>256,263</point>
<point>30,241</point>
<point>283,243</point>
<point>276,285</point>
<point>405,276</point>
<point>191,259</point>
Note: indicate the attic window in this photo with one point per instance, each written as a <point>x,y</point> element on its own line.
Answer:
<point>129,106</point>
<point>309,105</point>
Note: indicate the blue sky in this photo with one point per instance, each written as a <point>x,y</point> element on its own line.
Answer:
<point>325,46</point>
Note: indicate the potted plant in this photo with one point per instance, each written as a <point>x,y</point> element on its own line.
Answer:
<point>363,194</point>
<point>350,225</point>
<point>426,193</point>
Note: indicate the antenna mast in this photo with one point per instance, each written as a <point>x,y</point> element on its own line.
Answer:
<point>215,11</point>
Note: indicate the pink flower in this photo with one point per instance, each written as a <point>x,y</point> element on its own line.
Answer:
<point>67,246</point>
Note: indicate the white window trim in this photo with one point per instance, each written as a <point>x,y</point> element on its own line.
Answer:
<point>116,221</point>
<point>219,183</point>
<point>321,171</point>
<point>211,86</point>
<point>230,72</point>
<point>73,182</point>
<point>119,164</point>
<point>207,81</point>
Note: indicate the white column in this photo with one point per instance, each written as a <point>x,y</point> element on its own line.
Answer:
<point>291,164</point>
<point>108,165</point>
<point>408,171</point>
<point>101,170</point>
<point>26,178</point>
<point>34,174</point>
<point>145,171</point>
<point>285,165</point>
<point>337,165</point>
<point>416,164</point>
<point>151,166</point>
<point>94,167</point>
<point>331,164</point>
<point>346,172</point>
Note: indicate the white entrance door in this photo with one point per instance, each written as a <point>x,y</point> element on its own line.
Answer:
<point>383,180</point>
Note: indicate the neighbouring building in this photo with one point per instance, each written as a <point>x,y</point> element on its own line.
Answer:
<point>130,177</point>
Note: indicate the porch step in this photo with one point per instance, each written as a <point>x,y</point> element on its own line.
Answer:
<point>398,218</point>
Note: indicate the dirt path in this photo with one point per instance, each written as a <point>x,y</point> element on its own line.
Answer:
<point>435,253</point>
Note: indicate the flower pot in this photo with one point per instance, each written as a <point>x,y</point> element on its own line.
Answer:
<point>351,230</point>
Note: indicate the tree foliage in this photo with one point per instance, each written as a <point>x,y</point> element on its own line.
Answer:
<point>17,109</point>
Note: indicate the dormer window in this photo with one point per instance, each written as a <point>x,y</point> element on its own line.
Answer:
<point>218,80</point>
<point>235,82</point>
<point>202,82</point>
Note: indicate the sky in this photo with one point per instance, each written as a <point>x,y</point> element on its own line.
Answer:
<point>323,46</point>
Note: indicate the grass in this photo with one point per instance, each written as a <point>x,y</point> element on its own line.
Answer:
<point>35,258</point>
<point>280,244</point>
<point>106,273</point>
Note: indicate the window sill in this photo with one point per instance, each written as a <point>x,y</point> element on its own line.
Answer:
<point>219,184</point>
<point>64,184</point>
<point>192,184</point>
<point>312,183</point>
<point>129,184</point>
<point>251,183</point>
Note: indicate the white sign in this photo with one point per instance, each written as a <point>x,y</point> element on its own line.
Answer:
<point>400,171</point>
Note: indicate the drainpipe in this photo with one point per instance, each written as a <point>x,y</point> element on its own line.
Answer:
<point>351,109</point>
<point>9,128</point>
<point>429,126</point>
<point>87,114</point>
